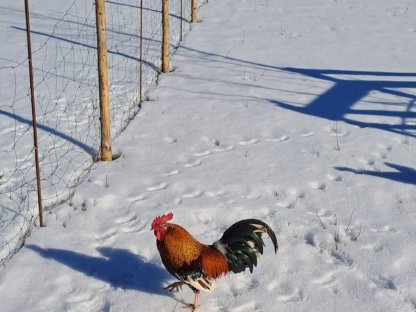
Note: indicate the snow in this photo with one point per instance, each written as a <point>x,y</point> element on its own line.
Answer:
<point>299,113</point>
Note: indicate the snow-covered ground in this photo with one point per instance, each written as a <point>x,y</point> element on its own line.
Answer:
<point>299,113</point>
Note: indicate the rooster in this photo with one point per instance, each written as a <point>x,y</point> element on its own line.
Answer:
<point>198,265</point>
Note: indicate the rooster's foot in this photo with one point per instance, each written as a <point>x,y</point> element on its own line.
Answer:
<point>174,286</point>
<point>191,307</point>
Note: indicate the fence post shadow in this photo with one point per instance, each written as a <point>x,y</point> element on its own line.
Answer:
<point>400,173</point>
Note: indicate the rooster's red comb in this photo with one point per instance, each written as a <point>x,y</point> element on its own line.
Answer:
<point>162,219</point>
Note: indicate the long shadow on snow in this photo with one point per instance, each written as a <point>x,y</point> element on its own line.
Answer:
<point>337,102</point>
<point>118,267</point>
<point>401,174</point>
<point>88,149</point>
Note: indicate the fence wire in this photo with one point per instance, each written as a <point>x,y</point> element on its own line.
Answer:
<point>66,94</point>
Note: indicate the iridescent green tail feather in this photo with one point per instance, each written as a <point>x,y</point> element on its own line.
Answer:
<point>242,243</point>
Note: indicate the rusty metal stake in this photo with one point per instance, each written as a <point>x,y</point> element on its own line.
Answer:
<point>34,125</point>
<point>141,53</point>
<point>181,34</point>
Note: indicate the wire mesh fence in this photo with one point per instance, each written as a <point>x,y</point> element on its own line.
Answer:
<point>66,94</point>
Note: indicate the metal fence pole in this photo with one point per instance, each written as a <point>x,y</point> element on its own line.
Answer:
<point>181,27</point>
<point>34,124</point>
<point>141,53</point>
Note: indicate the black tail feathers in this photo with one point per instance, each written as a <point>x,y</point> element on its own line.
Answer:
<point>242,243</point>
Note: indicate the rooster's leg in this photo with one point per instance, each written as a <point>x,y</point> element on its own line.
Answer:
<point>196,301</point>
<point>174,286</point>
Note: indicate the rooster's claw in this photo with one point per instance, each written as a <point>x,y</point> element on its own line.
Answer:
<point>174,286</point>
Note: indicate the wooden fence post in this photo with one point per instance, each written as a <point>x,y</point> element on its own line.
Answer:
<point>34,124</point>
<point>106,153</point>
<point>165,36</point>
<point>194,14</point>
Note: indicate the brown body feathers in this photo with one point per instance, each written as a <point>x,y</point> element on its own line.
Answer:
<point>181,253</point>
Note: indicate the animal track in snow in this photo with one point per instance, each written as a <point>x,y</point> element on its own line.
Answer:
<point>79,298</point>
<point>126,218</point>
<point>387,148</point>
<point>84,301</point>
<point>133,227</point>
<point>381,155</point>
<point>334,177</point>
<point>319,186</point>
<point>272,285</point>
<point>307,134</point>
<point>215,193</point>
<point>107,235</point>
<point>249,142</point>
<point>282,139</point>
<point>336,132</point>
<point>247,307</point>
<point>296,193</point>
<point>404,141</point>
<point>254,284</point>
<point>376,248</point>
<point>386,283</point>
<point>203,153</point>
<point>290,198</point>
<point>193,194</point>
<point>367,162</point>
<point>384,150</point>
<point>224,148</point>
<point>310,239</point>
<point>137,198</point>
<point>329,281</point>
<point>75,299</point>
<point>171,173</point>
<point>253,194</point>
<point>295,295</point>
<point>169,139</point>
<point>129,223</point>
<point>342,257</point>
<point>7,131</point>
<point>384,229</point>
<point>158,187</point>
<point>342,133</point>
<point>192,164</point>
<point>289,204</point>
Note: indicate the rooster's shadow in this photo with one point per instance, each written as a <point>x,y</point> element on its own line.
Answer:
<point>118,267</point>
